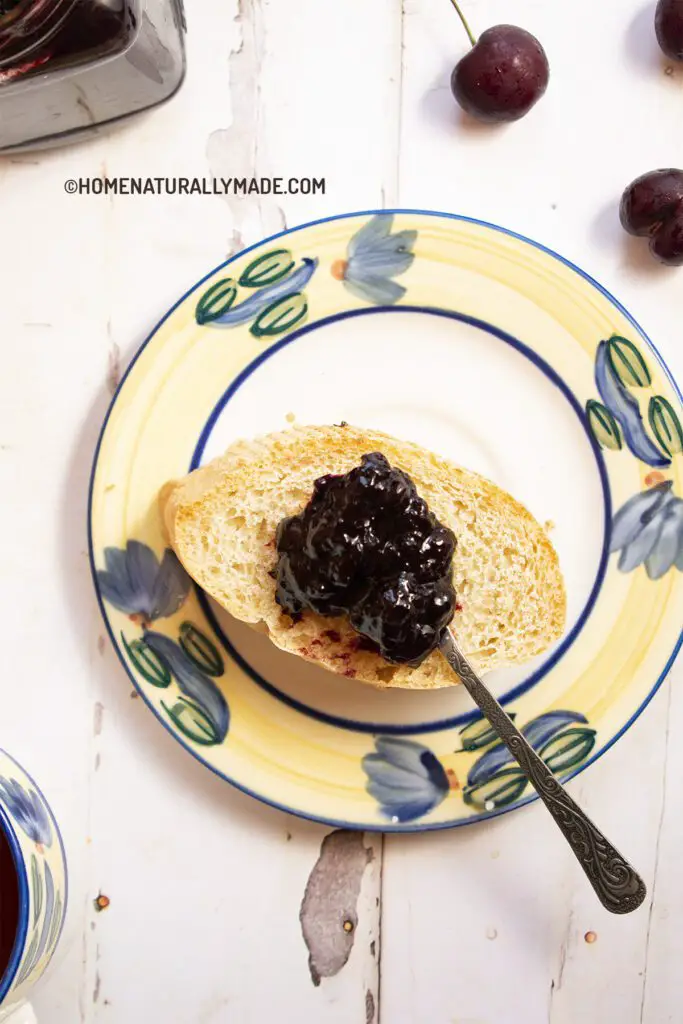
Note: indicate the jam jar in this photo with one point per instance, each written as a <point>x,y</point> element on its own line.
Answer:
<point>68,67</point>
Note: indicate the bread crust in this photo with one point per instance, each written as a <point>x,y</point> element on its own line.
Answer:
<point>221,522</point>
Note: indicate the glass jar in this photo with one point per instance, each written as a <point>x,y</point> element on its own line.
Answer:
<point>67,67</point>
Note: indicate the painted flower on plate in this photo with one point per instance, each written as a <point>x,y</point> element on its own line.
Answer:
<point>619,370</point>
<point>202,714</point>
<point>135,582</point>
<point>28,810</point>
<point>537,732</point>
<point>562,739</point>
<point>648,530</point>
<point>374,257</point>
<point>405,778</point>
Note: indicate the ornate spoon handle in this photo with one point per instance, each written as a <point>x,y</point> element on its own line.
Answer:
<point>617,885</point>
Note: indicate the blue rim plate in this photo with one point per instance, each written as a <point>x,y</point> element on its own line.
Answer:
<point>282,329</point>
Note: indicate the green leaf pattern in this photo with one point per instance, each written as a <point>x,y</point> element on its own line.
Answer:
<point>665,425</point>
<point>603,425</point>
<point>48,904</point>
<point>276,303</point>
<point>192,722</point>
<point>627,363</point>
<point>200,650</point>
<point>646,530</point>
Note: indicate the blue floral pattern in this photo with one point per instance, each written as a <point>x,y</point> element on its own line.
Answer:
<point>204,716</point>
<point>537,732</point>
<point>374,257</point>
<point>276,303</point>
<point>623,405</point>
<point>44,937</point>
<point>648,529</point>
<point>135,582</point>
<point>405,778</point>
<point>28,810</point>
<point>408,780</point>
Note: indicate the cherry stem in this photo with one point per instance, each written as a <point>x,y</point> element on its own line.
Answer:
<point>463,19</point>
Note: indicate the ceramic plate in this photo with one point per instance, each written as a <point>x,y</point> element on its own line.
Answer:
<point>479,345</point>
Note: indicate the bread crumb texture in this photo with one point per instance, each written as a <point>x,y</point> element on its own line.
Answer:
<point>221,521</point>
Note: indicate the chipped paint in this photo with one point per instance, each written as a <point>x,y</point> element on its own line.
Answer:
<point>238,151</point>
<point>556,983</point>
<point>84,959</point>
<point>330,902</point>
<point>658,840</point>
<point>98,717</point>
<point>113,367</point>
<point>369,1007</point>
<point>98,985</point>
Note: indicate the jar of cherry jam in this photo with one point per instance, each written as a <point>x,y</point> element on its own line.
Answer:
<point>68,67</point>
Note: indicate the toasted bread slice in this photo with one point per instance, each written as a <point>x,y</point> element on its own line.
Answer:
<point>221,522</point>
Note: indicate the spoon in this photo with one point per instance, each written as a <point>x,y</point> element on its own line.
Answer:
<point>618,887</point>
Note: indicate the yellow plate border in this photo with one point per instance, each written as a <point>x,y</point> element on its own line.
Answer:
<point>481,240</point>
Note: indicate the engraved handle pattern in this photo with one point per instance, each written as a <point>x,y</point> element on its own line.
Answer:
<point>618,887</point>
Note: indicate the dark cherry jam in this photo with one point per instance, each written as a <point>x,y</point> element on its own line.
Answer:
<point>367,546</point>
<point>41,35</point>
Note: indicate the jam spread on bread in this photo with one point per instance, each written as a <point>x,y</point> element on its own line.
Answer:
<point>367,546</point>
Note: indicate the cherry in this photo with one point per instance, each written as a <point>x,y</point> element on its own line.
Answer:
<point>669,27</point>
<point>653,205</point>
<point>667,243</point>
<point>504,74</point>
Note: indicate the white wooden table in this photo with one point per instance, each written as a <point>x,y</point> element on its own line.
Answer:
<point>486,925</point>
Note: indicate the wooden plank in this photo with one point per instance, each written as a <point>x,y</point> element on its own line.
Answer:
<point>206,887</point>
<point>487,925</point>
<point>481,925</point>
<point>313,88</point>
<point>659,972</point>
<point>206,890</point>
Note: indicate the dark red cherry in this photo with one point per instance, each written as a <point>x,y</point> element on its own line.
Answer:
<point>669,27</point>
<point>502,77</point>
<point>653,205</point>
<point>667,243</point>
<point>651,199</point>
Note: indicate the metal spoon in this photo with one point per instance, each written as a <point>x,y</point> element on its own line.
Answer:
<point>618,887</point>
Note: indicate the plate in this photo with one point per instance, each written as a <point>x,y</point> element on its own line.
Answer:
<point>482,346</point>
